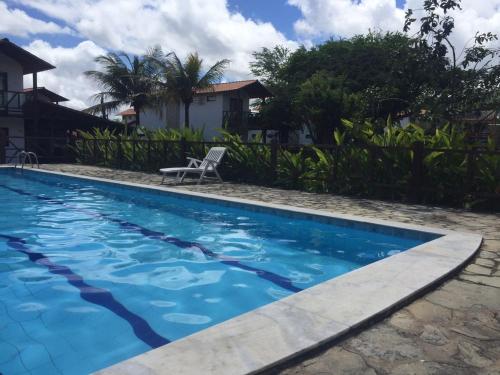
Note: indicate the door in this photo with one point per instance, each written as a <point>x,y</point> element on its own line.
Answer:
<point>3,89</point>
<point>236,105</point>
<point>235,113</point>
<point>4,140</point>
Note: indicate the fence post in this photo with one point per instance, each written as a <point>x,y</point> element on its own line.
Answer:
<point>164,142</point>
<point>106,152</point>
<point>94,151</point>
<point>51,149</point>
<point>148,167</point>
<point>120,151</point>
<point>371,169</point>
<point>183,151</point>
<point>470,167</point>
<point>417,172</point>
<point>274,159</point>
<point>84,148</point>
<point>335,168</point>
<point>133,153</point>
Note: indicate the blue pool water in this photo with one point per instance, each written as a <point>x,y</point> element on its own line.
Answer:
<point>92,273</point>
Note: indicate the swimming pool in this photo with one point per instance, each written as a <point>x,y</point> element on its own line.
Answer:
<point>94,273</point>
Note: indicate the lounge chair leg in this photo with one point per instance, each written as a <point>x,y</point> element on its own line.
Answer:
<point>183,176</point>
<point>202,175</point>
<point>218,175</point>
<point>163,179</point>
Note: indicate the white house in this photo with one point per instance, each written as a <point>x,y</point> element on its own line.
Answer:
<point>29,114</point>
<point>223,106</point>
<point>15,63</point>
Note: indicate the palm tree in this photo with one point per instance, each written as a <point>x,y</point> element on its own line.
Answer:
<point>180,81</point>
<point>124,80</point>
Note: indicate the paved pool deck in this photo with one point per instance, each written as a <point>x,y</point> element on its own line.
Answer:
<point>454,329</point>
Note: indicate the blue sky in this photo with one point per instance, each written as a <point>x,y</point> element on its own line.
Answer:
<point>278,12</point>
<point>71,33</point>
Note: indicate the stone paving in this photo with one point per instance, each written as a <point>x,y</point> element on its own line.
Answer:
<point>454,329</point>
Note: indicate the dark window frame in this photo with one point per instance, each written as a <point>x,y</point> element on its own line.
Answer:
<point>5,80</point>
<point>3,95</point>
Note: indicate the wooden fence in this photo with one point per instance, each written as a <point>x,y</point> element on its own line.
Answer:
<point>416,173</point>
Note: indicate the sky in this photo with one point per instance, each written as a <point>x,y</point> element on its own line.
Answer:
<point>71,33</point>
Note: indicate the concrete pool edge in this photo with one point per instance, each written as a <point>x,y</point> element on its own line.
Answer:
<point>274,333</point>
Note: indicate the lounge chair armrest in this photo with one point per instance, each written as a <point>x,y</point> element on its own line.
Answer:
<point>211,163</point>
<point>193,162</point>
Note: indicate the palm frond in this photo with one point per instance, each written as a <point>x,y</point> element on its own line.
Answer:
<point>214,74</point>
<point>106,107</point>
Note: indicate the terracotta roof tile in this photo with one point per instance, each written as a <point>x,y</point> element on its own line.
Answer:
<point>228,86</point>
<point>127,112</point>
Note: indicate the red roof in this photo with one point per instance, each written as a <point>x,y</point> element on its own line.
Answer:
<point>228,86</point>
<point>254,88</point>
<point>127,112</point>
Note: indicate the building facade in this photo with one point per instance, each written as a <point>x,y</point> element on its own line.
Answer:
<point>223,106</point>
<point>30,116</point>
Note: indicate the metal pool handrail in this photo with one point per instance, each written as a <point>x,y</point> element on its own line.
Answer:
<point>27,154</point>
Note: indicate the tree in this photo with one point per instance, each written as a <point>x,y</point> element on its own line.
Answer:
<point>386,70</point>
<point>276,112</point>
<point>268,64</point>
<point>180,80</point>
<point>124,80</point>
<point>472,76</point>
<point>322,102</point>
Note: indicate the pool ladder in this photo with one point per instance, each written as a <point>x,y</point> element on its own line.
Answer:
<point>31,156</point>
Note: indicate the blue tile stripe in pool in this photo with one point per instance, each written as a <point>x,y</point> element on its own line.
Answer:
<point>92,294</point>
<point>279,280</point>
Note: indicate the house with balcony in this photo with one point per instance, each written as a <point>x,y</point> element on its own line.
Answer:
<point>222,106</point>
<point>33,118</point>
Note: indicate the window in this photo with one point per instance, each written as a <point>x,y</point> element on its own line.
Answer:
<point>3,81</point>
<point>3,87</point>
<point>211,98</point>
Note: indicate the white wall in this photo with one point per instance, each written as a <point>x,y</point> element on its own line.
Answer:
<point>152,120</point>
<point>14,73</point>
<point>205,114</point>
<point>168,118</point>
<point>14,125</point>
<point>16,129</point>
<point>202,114</point>
<point>304,137</point>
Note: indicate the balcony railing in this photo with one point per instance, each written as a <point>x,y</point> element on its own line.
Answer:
<point>12,102</point>
<point>235,121</point>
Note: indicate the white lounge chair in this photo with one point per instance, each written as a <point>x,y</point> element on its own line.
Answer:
<point>201,167</point>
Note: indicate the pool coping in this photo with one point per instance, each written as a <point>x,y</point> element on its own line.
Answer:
<point>274,333</point>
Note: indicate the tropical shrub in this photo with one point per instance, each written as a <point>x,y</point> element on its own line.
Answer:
<point>438,166</point>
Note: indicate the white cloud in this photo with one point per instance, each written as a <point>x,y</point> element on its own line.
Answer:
<point>345,18</point>
<point>17,23</point>
<point>67,79</point>
<point>183,26</point>
<point>475,16</point>
<point>208,27</point>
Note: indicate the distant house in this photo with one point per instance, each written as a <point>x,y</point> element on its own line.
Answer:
<point>29,115</point>
<point>223,106</point>
<point>128,117</point>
